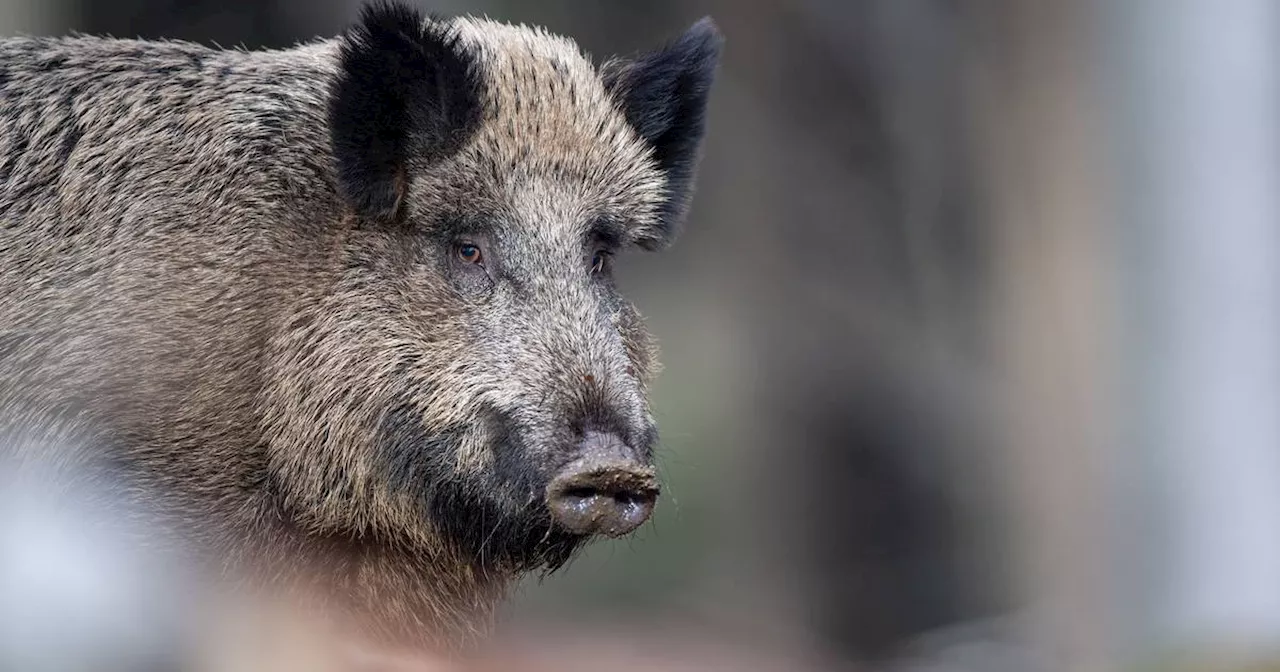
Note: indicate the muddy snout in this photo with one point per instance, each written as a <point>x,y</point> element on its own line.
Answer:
<point>606,490</point>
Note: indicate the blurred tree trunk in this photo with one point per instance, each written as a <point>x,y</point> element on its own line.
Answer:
<point>1038,124</point>
<point>854,250</point>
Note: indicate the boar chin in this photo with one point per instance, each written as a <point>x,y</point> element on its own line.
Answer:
<point>520,540</point>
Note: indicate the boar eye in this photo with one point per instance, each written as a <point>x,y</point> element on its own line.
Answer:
<point>469,253</point>
<point>598,261</point>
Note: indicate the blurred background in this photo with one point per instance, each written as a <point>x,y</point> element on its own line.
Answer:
<point>972,342</point>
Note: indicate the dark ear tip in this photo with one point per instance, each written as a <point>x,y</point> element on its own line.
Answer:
<point>704,41</point>
<point>708,29</point>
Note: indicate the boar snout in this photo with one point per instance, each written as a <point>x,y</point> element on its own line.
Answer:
<point>605,490</point>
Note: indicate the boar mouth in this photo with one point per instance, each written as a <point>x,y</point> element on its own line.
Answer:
<point>474,512</point>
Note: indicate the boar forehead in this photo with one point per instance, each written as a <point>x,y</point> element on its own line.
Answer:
<point>552,149</point>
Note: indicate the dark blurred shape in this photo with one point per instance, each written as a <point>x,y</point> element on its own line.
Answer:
<point>252,24</point>
<point>882,562</point>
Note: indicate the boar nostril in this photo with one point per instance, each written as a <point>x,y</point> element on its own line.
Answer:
<point>581,492</point>
<point>624,497</point>
<point>610,498</point>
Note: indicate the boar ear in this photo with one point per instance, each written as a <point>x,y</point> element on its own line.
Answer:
<point>664,97</point>
<point>406,91</point>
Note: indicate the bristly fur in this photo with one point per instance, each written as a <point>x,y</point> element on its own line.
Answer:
<point>232,277</point>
